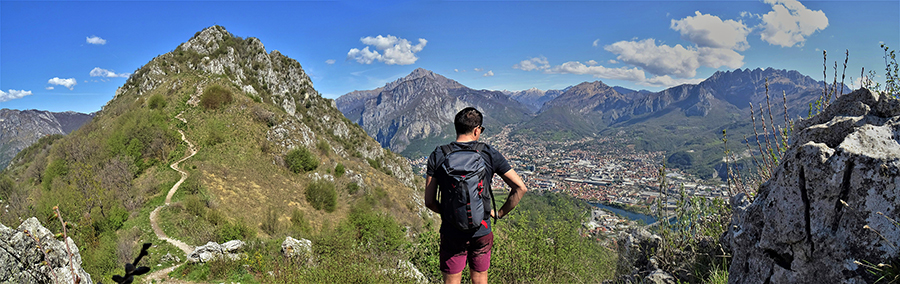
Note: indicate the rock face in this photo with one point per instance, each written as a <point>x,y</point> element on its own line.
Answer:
<point>21,128</point>
<point>826,208</point>
<point>211,251</point>
<point>22,259</point>
<point>636,263</point>
<point>405,113</point>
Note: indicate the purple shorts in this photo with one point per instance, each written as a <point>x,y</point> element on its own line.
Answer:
<point>455,252</point>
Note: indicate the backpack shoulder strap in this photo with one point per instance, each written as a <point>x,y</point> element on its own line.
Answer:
<point>446,151</point>
<point>479,146</point>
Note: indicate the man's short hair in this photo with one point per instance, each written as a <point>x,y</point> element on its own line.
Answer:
<point>466,120</point>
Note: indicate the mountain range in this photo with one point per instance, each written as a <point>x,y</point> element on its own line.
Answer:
<point>413,118</point>
<point>21,128</point>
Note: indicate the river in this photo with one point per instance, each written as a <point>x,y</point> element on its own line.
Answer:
<point>634,216</point>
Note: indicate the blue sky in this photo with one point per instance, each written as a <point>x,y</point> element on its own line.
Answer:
<point>62,56</point>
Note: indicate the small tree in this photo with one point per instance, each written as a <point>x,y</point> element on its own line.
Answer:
<point>156,102</point>
<point>215,97</point>
<point>301,159</point>
<point>339,170</point>
<point>321,195</point>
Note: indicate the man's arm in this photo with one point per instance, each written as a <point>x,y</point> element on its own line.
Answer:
<point>517,186</point>
<point>431,195</point>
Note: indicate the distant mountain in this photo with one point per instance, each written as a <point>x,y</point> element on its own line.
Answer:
<point>533,98</point>
<point>21,128</point>
<point>414,113</point>
<point>681,118</point>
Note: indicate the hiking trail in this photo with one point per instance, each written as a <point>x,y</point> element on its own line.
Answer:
<point>162,275</point>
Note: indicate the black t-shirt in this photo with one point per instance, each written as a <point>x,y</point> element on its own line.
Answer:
<point>496,163</point>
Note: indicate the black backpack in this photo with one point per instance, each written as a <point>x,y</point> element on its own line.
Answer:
<point>461,179</point>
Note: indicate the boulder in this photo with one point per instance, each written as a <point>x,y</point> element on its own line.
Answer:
<point>31,254</point>
<point>409,270</point>
<point>292,247</point>
<point>829,205</point>
<point>206,253</point>
<point>211,250</point>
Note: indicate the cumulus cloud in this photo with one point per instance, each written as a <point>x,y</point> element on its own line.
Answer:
<point>613,61</point>
<point>95,40</point>
<point>707,30</point>
<point>479,69</point>
<point>100,72</point>
<point>591,63</point>
<point>621,73</point>
<point>536,63</point>
<point>394,50</point>
<point>456,70</point>
<point>666,81</point>
<point>13,94</point>
<point>789,23</point>
<point>678,61</point>
<point>488,74</point>
<point>329,61</point>
<point>68,83</point>
<point>49,88</point>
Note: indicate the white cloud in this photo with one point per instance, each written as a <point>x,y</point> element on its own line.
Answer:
<point>710,31</point>
<point>456,70</point>
<point>479,69</point>
<point>488,74</point>
<point>68,83</point>
<point>621,73</point>
<point>13,94</point>
<point>666,81</point>
<point>95,40</point>
<point>790,22</point>
<point>675,60</point>
<point>536,63</point>
<point>591,62</point>
<point>329,61</point>
<point>596,42</point>
<point>613,61</point>
<point>49,88</point>
<point>394,50</point>
<point>100,72</point>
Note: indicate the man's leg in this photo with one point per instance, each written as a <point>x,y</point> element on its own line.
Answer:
<point>477,277</point>
<point>480,258</point>
<point>456,278</point>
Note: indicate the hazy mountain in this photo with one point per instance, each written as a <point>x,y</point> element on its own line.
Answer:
<point>533,98</point>
<point>414,113</point>
<point>19,129</point>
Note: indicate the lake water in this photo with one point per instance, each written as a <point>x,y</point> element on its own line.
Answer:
<point>634,216</point>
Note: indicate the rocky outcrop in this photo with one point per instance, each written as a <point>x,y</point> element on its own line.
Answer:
<point>636,262</point>
<point>21,128</point>
<point>292,247</point>
<point>830,204</point>
<point>31,254</point>
<point>211,251</point>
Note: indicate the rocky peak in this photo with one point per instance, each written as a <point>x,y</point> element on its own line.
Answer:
<point>830,204</point>
<point>428,75</point>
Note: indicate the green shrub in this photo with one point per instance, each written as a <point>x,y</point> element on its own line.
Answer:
<point>352,188</point>
<point>215,97</point>
<point>376,231</point>
<point>301,159</point>
<point>56,168</point>
<point>234,231</point>
<point>299,222</point>
<point>270,222</point>
<point>339,170</point>
<point>321,195</point>
<point>156,102</point>
<point>323,147</point>
<point>374,164</point>
<point>194,206</point>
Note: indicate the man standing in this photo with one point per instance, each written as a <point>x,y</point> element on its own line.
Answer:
<point>459,247</point>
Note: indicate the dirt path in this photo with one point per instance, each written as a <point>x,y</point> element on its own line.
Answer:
<point>161,276</point>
